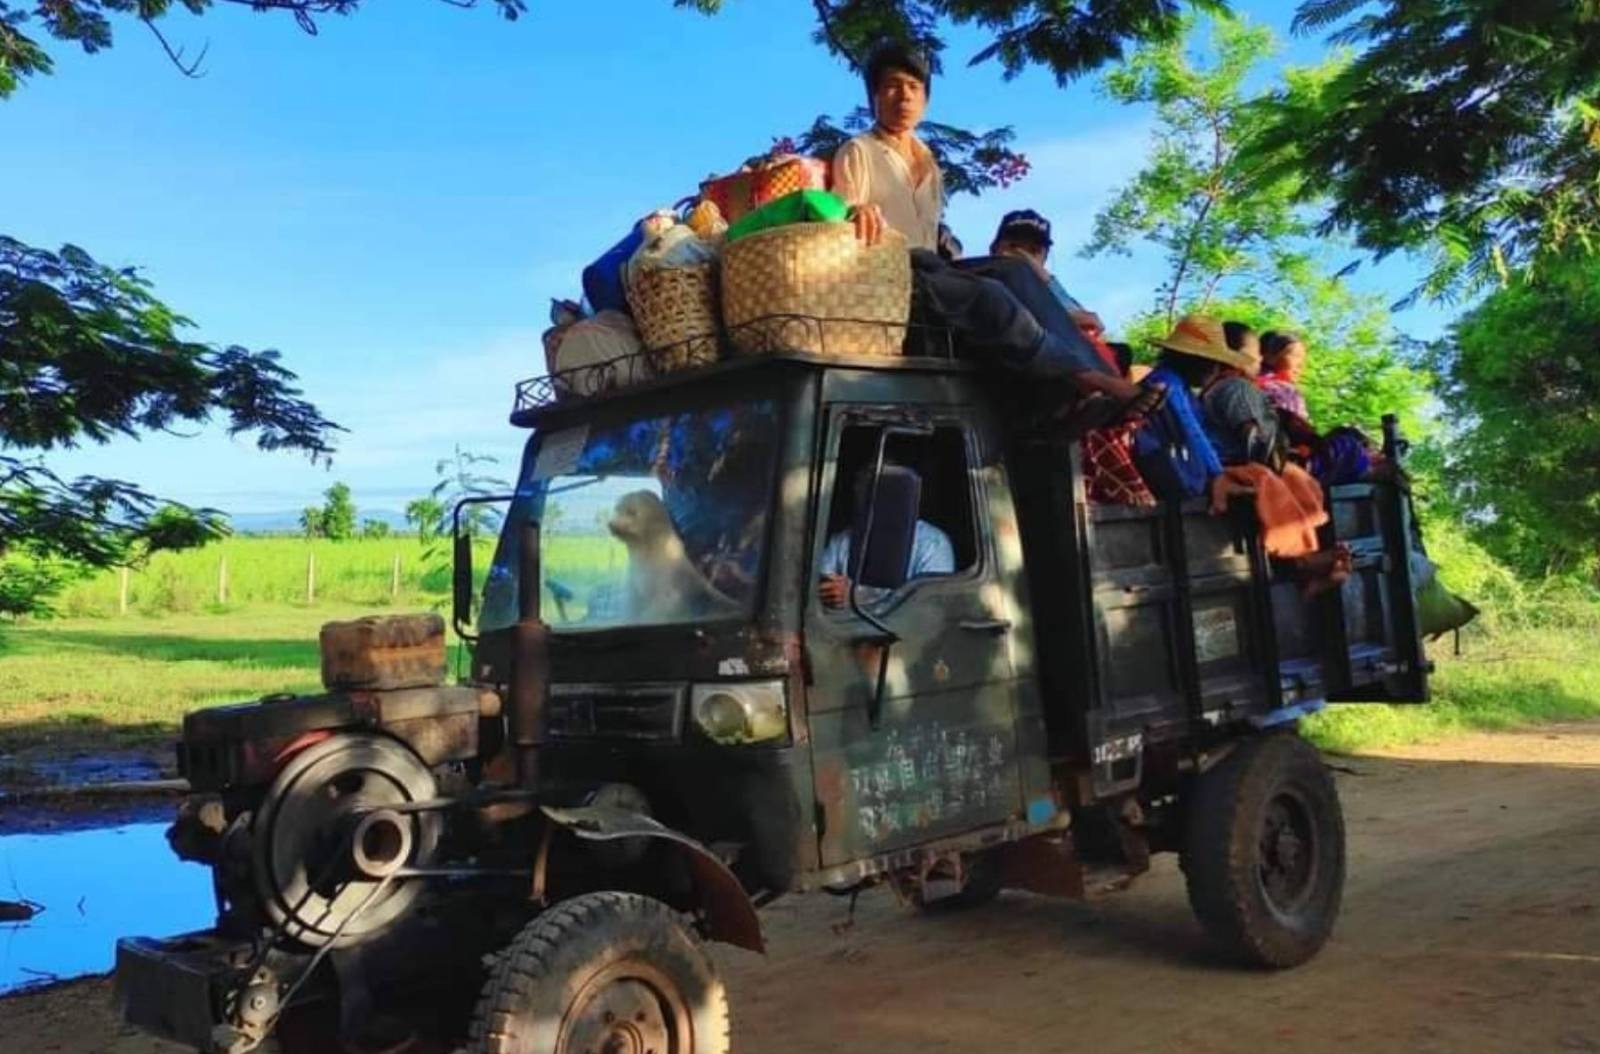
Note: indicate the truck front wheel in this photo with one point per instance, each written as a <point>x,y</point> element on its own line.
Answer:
<point>604,973</point>
<point>1264,851</point>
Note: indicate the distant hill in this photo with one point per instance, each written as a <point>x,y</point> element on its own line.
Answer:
<point>289,522</point>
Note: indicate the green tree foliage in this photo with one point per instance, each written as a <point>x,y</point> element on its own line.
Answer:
<point>338,513</point>
<point>1521,375</point>
<point>1191,198</point>
<point>334,519</point>
<point>88,354</point>
<point>1238,249</point>
<point>29,579</point>
<point>1066,37</point>
<point>374,529</point>
<point>426,517</point>
<point>88,25</point>
<point>1463,129</point>
<point>971,162</point>
<point>463,475</point>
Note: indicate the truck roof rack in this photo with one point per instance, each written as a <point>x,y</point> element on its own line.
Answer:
<point>769,337</point>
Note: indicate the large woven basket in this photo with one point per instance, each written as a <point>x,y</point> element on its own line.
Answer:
<point>675,309</point>
<point>814,287</point>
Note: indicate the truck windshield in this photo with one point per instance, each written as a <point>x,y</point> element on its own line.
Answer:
<point>649,521</point>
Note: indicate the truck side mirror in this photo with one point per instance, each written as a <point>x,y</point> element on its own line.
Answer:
<point>461,581</point>
<point>900,522</point>
<point>885,529</point>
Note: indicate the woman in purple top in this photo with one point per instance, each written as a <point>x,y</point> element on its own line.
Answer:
<point>1343,455</point>
<point>1283,358</point>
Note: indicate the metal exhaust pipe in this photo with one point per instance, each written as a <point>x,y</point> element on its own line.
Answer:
<point>530,661</point>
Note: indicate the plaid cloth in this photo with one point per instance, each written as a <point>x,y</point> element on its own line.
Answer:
<point>1110,476</point>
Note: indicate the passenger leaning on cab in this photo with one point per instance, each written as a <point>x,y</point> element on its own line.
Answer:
<point>891,180</point>
<point>1025,235</point>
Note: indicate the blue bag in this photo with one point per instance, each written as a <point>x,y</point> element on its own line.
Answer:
<point>1170,448</point>
<point>602,280</point>
<point>1161,452</point>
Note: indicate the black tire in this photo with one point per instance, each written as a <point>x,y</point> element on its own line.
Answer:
<point>614,965</point>
<point>311,1028</point>
<point>1264,851</point>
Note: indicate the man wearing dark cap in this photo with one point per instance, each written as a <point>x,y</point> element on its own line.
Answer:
<point>891,180</point>
<point>1026,235</point>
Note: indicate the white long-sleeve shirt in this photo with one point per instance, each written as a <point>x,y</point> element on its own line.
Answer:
<point>868,171</point>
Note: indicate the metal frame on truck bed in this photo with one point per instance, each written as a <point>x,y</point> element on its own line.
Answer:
<point>666,724</point>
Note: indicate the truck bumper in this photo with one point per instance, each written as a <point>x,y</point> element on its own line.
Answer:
<point>173,988</point>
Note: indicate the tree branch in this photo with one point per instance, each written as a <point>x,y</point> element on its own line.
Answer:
<point>825,18</point>
<point>1213,192</point>
<point>188,69</point>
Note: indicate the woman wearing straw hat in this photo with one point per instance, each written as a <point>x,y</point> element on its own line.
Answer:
<point>891,180</point>
<point>1234,440</point>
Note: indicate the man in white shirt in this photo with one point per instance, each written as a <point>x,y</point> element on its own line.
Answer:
<point>891,180</point>
<point>931,554</point>
<point>888,173</point>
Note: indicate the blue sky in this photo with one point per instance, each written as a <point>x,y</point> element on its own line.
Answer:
<point>393,202</point>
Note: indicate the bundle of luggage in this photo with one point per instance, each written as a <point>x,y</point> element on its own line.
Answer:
<point>761,260</point>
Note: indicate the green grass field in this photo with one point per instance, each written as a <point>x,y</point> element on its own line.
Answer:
<point>398,572</point>
<point>96,679</point>
<point>97,683</point>
<point>1503,679</point>
<point>273,570</point>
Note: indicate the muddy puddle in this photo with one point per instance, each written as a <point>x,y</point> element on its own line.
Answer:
<point>31,769</point>
<point>93,886</point>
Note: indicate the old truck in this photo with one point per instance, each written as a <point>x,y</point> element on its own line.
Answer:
<point>663,723</point>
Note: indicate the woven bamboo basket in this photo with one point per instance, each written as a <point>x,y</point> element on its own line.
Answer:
<point>814,287</point>
<point>675,309</point>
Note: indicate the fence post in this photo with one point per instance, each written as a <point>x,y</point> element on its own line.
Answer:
<point>311,577</point>
<point>222,580</point>
<point>394,578</point>
<point>122,590</point>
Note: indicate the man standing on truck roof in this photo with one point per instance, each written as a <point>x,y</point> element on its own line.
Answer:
<point>891,180</point>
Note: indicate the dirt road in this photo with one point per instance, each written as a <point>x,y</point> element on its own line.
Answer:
<point>1471,924</point>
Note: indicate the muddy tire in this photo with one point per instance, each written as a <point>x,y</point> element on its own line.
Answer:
<point>603,972</point>
<point>1264,852</point>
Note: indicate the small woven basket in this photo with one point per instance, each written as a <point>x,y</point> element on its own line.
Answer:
<point>675,309</point>
<point>814,287</point>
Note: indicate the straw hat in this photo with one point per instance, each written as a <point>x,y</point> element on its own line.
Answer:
<point>1204,337</point>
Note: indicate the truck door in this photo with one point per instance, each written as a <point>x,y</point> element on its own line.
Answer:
<point>935,753</point>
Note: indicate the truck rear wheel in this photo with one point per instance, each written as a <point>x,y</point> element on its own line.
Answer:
<point>1264,851</point>
<point>604,973</point>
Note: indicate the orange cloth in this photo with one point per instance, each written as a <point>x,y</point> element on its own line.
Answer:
<point>1290,507</point>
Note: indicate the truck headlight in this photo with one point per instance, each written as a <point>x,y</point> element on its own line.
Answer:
<point>745,712</point>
